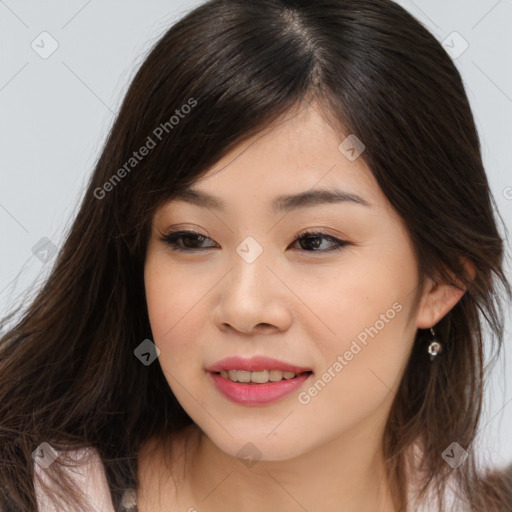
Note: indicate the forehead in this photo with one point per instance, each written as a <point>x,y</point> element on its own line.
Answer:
<point>300,160</point>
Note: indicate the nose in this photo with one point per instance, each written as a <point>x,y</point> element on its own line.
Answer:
<point>251,299</point>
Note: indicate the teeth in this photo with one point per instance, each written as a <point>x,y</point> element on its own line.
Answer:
<point>261,377</point>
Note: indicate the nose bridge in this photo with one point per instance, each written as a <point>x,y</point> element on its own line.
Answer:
<point>250,250</point>
<point>249,297</point>
<point>249,265</point>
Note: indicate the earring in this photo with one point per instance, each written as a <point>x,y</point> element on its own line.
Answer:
<point>434,346</point>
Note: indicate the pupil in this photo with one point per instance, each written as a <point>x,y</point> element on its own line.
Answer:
<point>313,241</point>
<point>195,239</point>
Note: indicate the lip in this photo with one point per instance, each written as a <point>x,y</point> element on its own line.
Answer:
<point>255,364</point>
<point>257,394</point>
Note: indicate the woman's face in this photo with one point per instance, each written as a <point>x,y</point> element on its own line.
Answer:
<point>245,288</point>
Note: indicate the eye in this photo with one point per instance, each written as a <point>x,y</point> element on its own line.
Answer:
<point>185,240</point>
<point>191,241</point>
<point>313,240</point>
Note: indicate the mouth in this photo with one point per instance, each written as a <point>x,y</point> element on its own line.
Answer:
<point>255,364</point>
<point>262,392</point>
<point>259,377</point>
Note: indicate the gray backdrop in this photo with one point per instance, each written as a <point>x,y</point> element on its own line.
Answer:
<point>65,65</point>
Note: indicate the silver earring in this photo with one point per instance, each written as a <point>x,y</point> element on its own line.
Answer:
<point>434,346</point>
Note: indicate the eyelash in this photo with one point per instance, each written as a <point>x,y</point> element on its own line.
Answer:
<point>172,240</point>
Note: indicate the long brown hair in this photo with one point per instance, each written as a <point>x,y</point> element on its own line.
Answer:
<point>68,372</point>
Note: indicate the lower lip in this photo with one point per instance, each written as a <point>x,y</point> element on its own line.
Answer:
<point>257,394</point>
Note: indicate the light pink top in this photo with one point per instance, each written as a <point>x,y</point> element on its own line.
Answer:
<point>91,480</point>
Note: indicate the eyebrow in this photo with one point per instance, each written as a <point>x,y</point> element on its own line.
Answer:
<point>281,204</point>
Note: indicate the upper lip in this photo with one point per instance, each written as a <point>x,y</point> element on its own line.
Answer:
<point>254,364</point>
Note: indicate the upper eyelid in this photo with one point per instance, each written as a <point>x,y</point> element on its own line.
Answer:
<point>311,232</point>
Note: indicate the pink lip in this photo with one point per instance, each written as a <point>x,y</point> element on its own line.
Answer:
<point>257,394</point>
<point>254,364</point>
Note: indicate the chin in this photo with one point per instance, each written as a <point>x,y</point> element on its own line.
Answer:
<point>253,447</point>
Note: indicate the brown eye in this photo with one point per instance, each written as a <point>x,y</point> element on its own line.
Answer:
<point>311,240</point>
<point>185,241</point>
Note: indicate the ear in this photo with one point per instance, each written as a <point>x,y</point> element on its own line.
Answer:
<point>439,298</point>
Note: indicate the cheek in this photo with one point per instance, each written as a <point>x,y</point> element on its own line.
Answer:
<point>368,290</point>
<point>161,302</point>
<point>362,364</point>
<point>162,299</point>
<point>170,293</point>
<point>174,301</point>
<point>367,310</point>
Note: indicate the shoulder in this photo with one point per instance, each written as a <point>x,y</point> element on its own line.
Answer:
<point>85,469</point>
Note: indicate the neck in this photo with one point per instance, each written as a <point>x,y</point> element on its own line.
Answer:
<point>346,473</point>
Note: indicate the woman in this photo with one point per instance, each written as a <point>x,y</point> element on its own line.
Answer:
<point>190,352</point>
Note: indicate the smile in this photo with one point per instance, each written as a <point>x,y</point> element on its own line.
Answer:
<point>259,377</point>
<point>260,392</point>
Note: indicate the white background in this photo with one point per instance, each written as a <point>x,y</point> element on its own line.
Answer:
<point>56,112</point>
